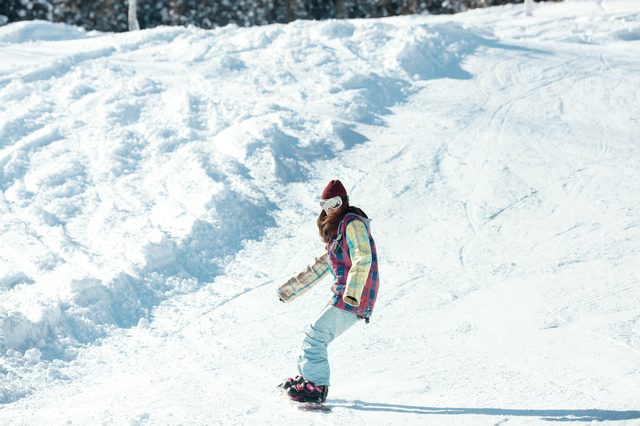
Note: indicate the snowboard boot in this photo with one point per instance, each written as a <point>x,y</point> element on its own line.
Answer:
<point>308,392</point>
<point>292,381</point>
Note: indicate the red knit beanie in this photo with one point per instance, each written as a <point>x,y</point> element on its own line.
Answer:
<point>334,189</point>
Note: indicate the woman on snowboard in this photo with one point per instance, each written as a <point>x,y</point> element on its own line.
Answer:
<point>351,258</point>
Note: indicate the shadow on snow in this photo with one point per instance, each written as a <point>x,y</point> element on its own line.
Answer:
<point>547,415</point>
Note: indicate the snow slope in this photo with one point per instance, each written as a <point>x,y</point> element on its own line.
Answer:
<point>157,186</point>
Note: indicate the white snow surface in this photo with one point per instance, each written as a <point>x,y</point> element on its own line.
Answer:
<point>157,186</point>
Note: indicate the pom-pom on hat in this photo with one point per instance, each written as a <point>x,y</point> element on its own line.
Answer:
<point>334,189</point>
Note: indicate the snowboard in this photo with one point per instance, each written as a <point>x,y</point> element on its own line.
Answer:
<point>304,406</point>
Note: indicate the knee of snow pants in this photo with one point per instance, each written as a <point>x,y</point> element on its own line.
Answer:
<point>313,362</point>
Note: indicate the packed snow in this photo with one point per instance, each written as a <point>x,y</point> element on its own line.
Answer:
<point>156,187</point>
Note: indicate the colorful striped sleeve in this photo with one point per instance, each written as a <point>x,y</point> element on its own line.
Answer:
<point>360,254</point>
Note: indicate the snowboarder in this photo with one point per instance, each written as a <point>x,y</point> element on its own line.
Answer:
<point>352,260</point>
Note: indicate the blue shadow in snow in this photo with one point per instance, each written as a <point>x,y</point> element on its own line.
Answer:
<point>546,415</point>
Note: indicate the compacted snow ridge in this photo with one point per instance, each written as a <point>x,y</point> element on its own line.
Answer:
<point>156,187</point>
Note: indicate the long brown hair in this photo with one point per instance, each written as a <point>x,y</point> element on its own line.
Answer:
<point>328,225</point>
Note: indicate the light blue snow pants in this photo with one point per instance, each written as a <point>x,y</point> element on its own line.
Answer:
<point>313,362</point>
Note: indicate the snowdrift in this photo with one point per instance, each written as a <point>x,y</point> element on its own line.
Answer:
<point>122,187</point>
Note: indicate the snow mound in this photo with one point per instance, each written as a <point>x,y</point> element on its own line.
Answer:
<point>122,188</point>
<point>26,31</point>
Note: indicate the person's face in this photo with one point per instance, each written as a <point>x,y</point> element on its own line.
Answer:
<point>331,212</point>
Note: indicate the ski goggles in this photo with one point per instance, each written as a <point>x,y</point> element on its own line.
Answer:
<point>333,203</point>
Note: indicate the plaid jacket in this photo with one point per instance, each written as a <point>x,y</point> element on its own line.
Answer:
<point>354,263</point>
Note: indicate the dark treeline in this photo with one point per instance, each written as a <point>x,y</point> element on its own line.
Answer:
<point>111,15</point>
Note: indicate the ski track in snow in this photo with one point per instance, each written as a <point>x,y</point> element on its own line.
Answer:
<point>157,186</point>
